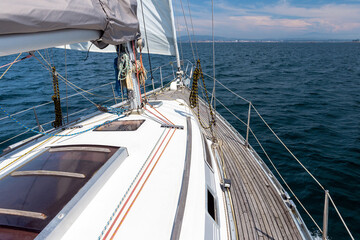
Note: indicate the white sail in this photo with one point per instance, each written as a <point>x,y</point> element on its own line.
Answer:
<point>160,29</point>
<point>38,24</point>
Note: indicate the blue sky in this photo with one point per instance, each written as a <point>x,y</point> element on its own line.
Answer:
<point>275,19</point>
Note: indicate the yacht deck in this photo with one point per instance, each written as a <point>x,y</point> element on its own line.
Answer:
<point>260,211</point>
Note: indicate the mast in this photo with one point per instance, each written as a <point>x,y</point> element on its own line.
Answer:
<point>135,96</point>
<point>174,37</point>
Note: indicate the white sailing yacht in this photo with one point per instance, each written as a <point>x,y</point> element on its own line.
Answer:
<point>150,167</point>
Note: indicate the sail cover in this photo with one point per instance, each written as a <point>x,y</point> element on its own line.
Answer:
<point>160,30</point>
<point>116,19</point>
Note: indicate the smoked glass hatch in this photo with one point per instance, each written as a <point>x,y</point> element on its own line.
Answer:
<point>121,125</point>
<point>32,195</point>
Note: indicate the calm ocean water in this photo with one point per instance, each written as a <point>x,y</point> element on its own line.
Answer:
<point>309,93</point>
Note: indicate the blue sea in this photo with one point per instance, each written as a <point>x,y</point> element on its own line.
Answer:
<point>309,93</point>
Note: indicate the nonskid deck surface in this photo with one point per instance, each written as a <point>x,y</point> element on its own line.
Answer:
<point>259,210</point>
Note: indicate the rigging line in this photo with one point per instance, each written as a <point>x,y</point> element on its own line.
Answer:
<point>47,55</point>
<point>342,220</point>
<point>10,65</point>
<point>10,163</point>
<point>64,79</point>
<point>213,49</point>
<point>80,92</point>
<point>275,136</point>
<point>178,31</point>
<point>43,65</point>
<point>58,135</point>
<point>187,30</point>
<point>192,26</point>
<point>66,91</point>
<point>72,85</point>
<point>297,199</point>
<point>147,42</point>
<point>44,59</point>
<point>9,139</point>
<point>268,157</point>
<point>302,165</point>
<point>26,57</point>
<point>228,89</point>
<point>40,105</point>
<point>87,53</point>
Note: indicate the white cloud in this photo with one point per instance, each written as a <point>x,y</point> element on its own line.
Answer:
<point>281,19</point>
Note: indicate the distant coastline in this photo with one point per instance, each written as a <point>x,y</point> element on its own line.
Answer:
<point>276,41</point>
<point>219,39</point>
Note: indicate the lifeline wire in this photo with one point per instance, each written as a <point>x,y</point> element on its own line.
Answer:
<point>60,135</point>
<point>187,30</point>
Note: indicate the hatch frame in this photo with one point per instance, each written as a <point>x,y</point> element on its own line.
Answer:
<point>60,224</point>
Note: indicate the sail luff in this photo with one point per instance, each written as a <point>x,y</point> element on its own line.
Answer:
<point>174,35</point>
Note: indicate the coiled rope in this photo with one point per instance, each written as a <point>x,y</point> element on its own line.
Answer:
<point>194,96</point>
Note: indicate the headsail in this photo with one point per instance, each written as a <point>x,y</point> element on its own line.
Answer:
<point>160,29</point>
<point>114,21</point>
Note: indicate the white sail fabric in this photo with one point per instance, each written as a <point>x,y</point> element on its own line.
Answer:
<point>160,29</point>
<point>115,20</point>
<point>159,25</point>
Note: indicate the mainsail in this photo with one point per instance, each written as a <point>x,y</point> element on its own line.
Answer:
<point>160,35</point>
<point>56,23</point>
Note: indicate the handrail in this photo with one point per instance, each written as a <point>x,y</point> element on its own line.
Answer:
<point>268,157</point>
<point>291,153</point>
<point>50,102</point>
<point>80,91</point>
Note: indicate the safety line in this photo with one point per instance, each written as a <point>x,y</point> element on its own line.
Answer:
<point>25,154</point>
<point>142,186</point>
<point>60,135</point>
<point>135,187</point>
<point>187,30</point>
<point>16,61</point>
<point>10,65</point>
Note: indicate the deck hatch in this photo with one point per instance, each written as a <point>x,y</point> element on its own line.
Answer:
<point>121,125</point>
<point>45,184</point>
